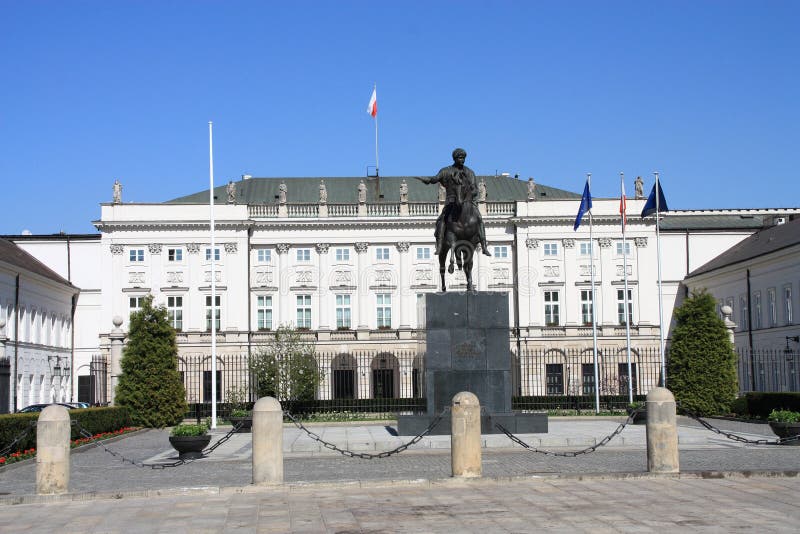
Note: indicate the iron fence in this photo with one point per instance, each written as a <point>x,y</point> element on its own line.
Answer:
<point>559,373</point>
<point>768,370</point>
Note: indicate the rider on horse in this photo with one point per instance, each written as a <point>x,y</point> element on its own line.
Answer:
<point>453,178</point>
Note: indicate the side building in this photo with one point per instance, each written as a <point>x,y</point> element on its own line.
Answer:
<point>759,280</point>
<point>36,331</point>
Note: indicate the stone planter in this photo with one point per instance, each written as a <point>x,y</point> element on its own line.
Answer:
<point>190,447</point>
<point>786,430</point>
<point>246,422</point>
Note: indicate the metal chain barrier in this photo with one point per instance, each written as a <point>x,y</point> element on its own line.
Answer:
<point>366,455</point>
<point>735,437</point>
<point>85,433</point>
<point>11,446</point>
<point>572,454</point>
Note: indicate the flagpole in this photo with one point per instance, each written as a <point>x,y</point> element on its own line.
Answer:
<point>625,277</point>
<point>660,295</point>
<point>213,280</point>
<point>377,164</point>
<point>594,309</point>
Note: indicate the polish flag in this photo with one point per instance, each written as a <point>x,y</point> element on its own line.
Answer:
<point>622,214</point>
<point>372,108</point>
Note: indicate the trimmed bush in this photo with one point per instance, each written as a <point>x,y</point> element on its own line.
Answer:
<point>701,370</point>
<point>150,385</point>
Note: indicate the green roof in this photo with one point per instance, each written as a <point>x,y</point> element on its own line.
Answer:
<point>383,189</point>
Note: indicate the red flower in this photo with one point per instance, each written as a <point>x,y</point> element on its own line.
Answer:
<point>2,459</point>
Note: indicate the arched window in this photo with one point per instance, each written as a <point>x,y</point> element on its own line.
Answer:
<point>385,376</point>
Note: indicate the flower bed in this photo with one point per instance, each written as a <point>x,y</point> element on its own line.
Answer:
<point>31,453</point>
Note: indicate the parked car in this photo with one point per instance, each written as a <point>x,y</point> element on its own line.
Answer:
<point>79,404</point>
<point>39,407</point>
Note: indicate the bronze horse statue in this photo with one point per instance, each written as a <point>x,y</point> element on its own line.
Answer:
<point>461,235</point>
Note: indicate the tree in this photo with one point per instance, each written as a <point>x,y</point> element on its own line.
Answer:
<point>285,368</point>
<point>701,370</point>
<point>150,385</point>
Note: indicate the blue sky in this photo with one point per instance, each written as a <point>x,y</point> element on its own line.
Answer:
<point>705,92</point>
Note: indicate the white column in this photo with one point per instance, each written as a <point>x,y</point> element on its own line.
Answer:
<point>322,305</point>
<point>282,296</point>
<point>533,278</point>
<point>403,292</point>
<point>362,287</point>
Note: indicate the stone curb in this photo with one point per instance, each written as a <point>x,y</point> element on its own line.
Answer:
<point>367,484</point>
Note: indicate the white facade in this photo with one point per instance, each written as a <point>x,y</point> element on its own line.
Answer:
<point>36,332</point>
<point>350,273</point>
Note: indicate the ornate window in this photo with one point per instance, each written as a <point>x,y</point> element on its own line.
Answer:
<point>586,306</point>
<point>423,253</point>
<point>264,255</point>
<point>787,305</point>
<point>342,311</point>
<point>551,308</point>
<point>175,254</point>
<point>621,306</point>
<point>303,255</point>
<point>264,312</point>
<point>342,255</point>
<point>217,314</point>
<point>136,255</point>
<point>382,254</point>
<point>551,249</point>
<point>304,311</point>
<point>175,312</point>
<point>216,254</point>
<point>384,310</point>
<point>500,251</point>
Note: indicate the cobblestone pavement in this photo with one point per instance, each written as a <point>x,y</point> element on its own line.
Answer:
<point>605,491</point>
<point>685,504</point>
<point>93,470</point>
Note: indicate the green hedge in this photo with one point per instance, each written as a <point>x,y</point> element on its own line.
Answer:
<point>94,420</point>
<point>761,404</point>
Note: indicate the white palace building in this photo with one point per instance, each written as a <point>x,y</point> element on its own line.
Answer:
<point>346,262</point>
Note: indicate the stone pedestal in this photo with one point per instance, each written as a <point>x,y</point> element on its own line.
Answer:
<point>466,349</point>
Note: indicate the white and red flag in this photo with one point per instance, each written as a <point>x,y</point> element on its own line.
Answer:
<point>372,108</point>
<point>622,214</point>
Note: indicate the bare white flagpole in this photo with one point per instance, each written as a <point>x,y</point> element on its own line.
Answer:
<point>594,308</point>
<point>377,164</point>
<point>660,294</point>
<point>213,280</point>
<point>625,277</point>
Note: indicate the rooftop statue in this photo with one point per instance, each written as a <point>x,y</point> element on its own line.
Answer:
<point>117,199</point>
<point>362,192</point>
<point>403,191</point>
<point>323,192</point>
<point>638,186</point>
<point>459,227</point>
<point>231,189</point>
<point>282,193</point>
<point>531,189</point>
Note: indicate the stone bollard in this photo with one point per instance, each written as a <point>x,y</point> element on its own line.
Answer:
<point>662,432</point>
<point>465,435</point>
<point>52,450</point>
<point>267,442</point>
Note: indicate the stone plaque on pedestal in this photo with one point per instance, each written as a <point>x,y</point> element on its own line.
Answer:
<point>466,346</point>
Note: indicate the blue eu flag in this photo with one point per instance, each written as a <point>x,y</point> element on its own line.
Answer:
<point>650,205</point>
<point>586,205</point>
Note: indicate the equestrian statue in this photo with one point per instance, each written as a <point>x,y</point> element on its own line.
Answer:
<point>459,228</point>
